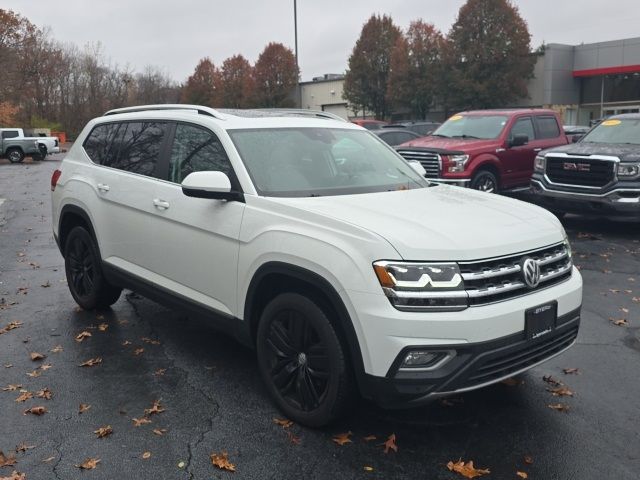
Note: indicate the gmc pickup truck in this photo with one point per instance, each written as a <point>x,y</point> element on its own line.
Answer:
<point>599,175</point>
<point>488,150</point>
<point>15,146</point>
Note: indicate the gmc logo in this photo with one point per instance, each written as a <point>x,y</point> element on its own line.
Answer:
<point>577,167</point>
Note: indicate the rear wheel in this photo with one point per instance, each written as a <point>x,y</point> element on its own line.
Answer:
<point>85,279</point>
<point>485,181</point>
<point>302,361</point>
<point>15,155</point>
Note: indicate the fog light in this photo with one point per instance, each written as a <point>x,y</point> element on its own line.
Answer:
<point>422,359</point>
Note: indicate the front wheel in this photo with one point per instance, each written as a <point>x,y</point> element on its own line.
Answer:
<point>302,361</point>
<point>485,181</point>
<point>85,279</point>
<point>15,155</point>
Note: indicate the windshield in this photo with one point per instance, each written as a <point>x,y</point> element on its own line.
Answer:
<point>303,162</point>
<point>472,126</point>
<point>615,130</point>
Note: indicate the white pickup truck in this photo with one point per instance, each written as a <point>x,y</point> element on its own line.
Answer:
<point>15,146</point>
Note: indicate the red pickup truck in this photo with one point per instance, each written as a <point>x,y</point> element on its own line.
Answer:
<point>489,150</point>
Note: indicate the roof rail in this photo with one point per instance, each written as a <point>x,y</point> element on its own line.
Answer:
<point>170,106</point>
<point>304,112</point>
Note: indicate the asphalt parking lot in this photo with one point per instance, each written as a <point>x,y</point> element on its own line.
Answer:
<point>213,401</point>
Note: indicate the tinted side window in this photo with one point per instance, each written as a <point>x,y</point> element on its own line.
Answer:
<point>9,134</point>
<point>548,127</point>
<point>197,149</point>
<point>523,126</point>
<point>404,137</point>
<point>100,144</point>
<point>139,147</point>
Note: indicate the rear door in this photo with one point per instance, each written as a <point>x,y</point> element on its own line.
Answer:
<point>196,244</point>
<point>549,132</point>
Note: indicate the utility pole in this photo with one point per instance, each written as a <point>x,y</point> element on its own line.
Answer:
<point>295,31</point>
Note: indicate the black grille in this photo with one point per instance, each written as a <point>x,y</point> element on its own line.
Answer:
<point>429,160</point>
<point>580,171</point>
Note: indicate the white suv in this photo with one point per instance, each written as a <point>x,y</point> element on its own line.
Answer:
<point>310,239</point>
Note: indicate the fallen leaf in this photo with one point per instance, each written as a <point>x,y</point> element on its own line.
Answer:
<point>181,464</point>
<point>99,317</point>
<point>10,326</point>
<point>11,388</point>
<point>342,438</point>
<point>155,408</point>
<point>138,351</point>
<point>522,474</point>
<point>103,431</point>
<point>24,396</point>
<point>528,459</point>
<point>35,411</point>
<point>23,447</point>
<point>91,362</point>
<point>467,470</point>
<point>8,365</point>
<point>560,392</point>
<point>103,327</point>
<point>620,322</point>
<point>635,299</point>
<point>15,475</point>
<point>44,393</point>
<point>390,444</point>
<point>46,284</point>
<point>150,341</point>
<point>146,455</point>
<point>45,367</point>
<point>7,461</point>
<point>83,408</point>
<point>368,468</point>
<point>571,371</point>
<point>125,343</point>
<point>283,422</point>
<point>37,356</point>
<point>624,310</point>
<point>160,431</point>
<point>89,464</point>
<point>222,461</point>
<point>159,372</point>
<point>56,349</point>
<point>512,382</point>
<point>47,460</point>
<point>82,335</point>
<point>293,438</point>
<point>560,407</point>
<point>370,438</point>
<point>551,380</point>
<point>140,421</point>
<point>34,374</point>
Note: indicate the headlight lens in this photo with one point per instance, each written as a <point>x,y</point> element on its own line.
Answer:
<point>422,286</point>
<point>457,163</point>
<point>539,163</point>
<point>628,169</point>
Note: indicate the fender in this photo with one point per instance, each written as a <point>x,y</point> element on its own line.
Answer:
<point>483,160</point>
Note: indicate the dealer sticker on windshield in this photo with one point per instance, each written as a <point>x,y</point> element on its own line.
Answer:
<point>611,123</point>
<point>455,118</point>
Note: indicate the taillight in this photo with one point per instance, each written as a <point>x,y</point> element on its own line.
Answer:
<point>54,179</point>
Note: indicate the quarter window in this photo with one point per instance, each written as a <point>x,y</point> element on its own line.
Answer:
<point>548,127</point>
<point>101,146</point>
<point>523,126</point>
<point>196,149</point>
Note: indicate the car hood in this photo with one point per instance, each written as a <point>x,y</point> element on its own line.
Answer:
<point>622,151</point>
<point>451,145</point>
<point>442,222</point>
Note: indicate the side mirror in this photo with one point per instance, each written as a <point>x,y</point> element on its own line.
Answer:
<point>519,139</point>
<point>417,166</point>
<point>214,185</point>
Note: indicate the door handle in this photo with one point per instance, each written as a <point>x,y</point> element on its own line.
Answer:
<point>103,188</point>
<point>160,204</point>
<point>537,149</point>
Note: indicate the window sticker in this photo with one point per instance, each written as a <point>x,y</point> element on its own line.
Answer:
<point>611,123</point>
<point>455,118</point>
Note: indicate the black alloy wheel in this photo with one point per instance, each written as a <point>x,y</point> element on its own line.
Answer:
<point>485,181</point>
<point>302,362</point>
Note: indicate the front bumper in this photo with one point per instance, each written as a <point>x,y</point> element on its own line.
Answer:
<point>458,182</point>
<point>620,202</point>
<point>474,366</point>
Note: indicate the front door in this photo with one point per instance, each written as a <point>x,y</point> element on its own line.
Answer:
<point>517,161</point>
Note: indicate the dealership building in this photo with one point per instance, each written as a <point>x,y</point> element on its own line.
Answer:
<point>582,82</point>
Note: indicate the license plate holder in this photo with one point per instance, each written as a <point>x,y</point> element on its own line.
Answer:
<point>540,320</point>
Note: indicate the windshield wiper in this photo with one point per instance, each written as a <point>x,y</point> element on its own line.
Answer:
<point>440,135</point>
<point>466,136</point>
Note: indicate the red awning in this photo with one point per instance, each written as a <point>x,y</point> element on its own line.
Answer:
<point>596,72</point>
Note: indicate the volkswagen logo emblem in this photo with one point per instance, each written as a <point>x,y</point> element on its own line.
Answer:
<point>531,272</point>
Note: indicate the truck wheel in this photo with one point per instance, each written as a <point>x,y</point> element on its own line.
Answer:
<point>43,153</point>
<point>485,181</point>
<point>82,265</point>
<point>302,361</point>
<point>15,155</point>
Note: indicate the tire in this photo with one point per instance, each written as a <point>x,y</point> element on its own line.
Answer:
<point>85,279</point>
<point>302,361</point>
<point>15,155</point>
<point>485,181</point>
<point>43,153</point>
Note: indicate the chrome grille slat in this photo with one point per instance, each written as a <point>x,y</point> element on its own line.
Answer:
<point>429,160</point>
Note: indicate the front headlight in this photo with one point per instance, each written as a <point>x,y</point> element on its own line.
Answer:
<point>457,163</point>
<point>628,169</point>
<point>413,286</point>
<point>539,163</point>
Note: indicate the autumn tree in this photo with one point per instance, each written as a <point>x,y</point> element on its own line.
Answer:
<point>489,58</point>
<point>202,87</point>
<point>416,69</point>
<point>276,76</point>
<point>15,33</point>
<point>366,81</point>
<point>237,82</point>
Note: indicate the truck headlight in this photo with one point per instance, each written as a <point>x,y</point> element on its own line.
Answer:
<point>411,286</point>
<point>539,163</point>
<point>628,169</point>
<point>457,163</point>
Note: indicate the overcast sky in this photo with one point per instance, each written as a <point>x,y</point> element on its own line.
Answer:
<point>175,35</point>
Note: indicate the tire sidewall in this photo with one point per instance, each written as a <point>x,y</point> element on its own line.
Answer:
<point>17,159</point>
<point>87,302</point>
<point>484,173</point>
<point>337,363</point>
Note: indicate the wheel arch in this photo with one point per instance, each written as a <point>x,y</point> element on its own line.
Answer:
<point>489,163</point>
<point>73,216</point>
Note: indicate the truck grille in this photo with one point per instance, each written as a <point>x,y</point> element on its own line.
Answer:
<point>579,171</point>
<point>499,279</point>
<point>429,160</point>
